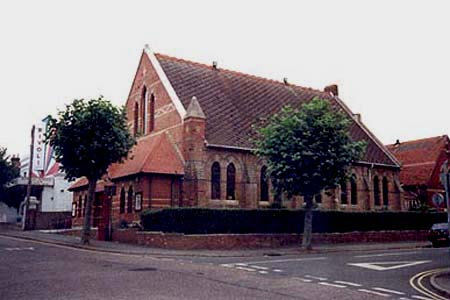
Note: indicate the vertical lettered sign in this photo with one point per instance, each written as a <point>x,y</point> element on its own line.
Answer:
<point>38,151</point>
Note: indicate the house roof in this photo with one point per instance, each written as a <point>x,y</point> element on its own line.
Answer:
<point>152,154</point>
<point>419,158</point>
<point>233,102</point>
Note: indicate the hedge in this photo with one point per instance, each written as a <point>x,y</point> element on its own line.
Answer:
<point>204,220</point>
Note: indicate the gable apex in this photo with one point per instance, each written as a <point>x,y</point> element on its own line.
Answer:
<point>165,81</point>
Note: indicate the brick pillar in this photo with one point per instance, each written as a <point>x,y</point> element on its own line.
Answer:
<point>193,150</point>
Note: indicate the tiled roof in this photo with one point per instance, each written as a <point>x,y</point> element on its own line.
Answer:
<point>418,158</point>
<point>83,182</point>
<point>151,154</point>
<point>233,102</point>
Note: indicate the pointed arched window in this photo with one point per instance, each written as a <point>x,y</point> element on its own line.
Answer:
<point>151,124</point>
<point>130,200</point>
<point>144,110</point>
<point>231,182</point>
<point>122,201</point>
<point>215,181</point>
<point>376,191</point>
<point>385,184</point>
<point>353,190</point>
<point>136,119</point>
<point>344,195</point>
<point>264,185</point>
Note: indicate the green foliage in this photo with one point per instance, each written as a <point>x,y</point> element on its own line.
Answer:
<point>7,171</point>
<point>89,136</point>
<point>308,149</point>
<point>193,220</point>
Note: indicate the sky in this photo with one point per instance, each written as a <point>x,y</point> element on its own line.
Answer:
<point>390,59</point>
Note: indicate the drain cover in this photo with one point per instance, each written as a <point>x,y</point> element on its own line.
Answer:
<point>272,254</point>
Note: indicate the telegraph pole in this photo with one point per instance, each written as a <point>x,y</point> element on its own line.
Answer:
<point>30,170</point>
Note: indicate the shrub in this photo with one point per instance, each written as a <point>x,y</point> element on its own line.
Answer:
<point>208,221</point>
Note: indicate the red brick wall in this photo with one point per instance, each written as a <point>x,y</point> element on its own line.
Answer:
<point>166,115</point>
<point>240,241</point>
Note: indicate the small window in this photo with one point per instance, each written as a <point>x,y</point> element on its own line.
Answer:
<point>264,185</point>
<point>231,182</point>
<point>385,184</point>
<point>74,209</point>
<point>353,190</point>
<point>376,191</point>
<point>138,202</point>
<point>130,200</point>
<point>215,181</point>
<point>122,201</point>
<point>344,193</point>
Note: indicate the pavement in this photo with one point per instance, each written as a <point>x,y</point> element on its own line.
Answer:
<point>441,282</point>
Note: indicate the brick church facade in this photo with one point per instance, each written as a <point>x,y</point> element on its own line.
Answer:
<point>193,125</point>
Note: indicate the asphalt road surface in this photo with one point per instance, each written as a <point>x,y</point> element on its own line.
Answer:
<point>33,270</point>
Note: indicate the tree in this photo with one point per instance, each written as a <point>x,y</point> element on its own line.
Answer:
<point>307,150</point>
<point>7,172</point>
<point>87,137</point>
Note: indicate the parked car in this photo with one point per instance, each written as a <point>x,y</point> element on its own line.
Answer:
<point>438,235</point>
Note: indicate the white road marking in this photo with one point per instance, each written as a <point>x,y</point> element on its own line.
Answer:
<point>421,298</point>
<point>263,272</point>
<point>347,283</point>
<point>246,269</point>
<point>388,291</point>
<point>315,277</point>
<point>281,260</point>
<point>404,298</point>
<point>227,265</point>
<point>241,264</point>
<point>19,249</point>
<point>374,293</point>
<point>386,254</point>
<point>378,266</point>
<point>333,285</point>
<point>303,279</point>
<point>259,268</point>
<point>277,270</point>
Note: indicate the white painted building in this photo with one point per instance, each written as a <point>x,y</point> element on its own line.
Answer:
<point>55,196</point>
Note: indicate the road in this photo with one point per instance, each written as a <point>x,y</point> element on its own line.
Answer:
<point>33,270</point>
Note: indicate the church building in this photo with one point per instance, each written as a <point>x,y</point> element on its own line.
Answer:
<point>193,124</point>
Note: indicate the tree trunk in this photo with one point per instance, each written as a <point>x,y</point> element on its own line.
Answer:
<point>307,229</point>
<point>86,233</point>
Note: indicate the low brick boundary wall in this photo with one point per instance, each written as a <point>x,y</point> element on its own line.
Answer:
<point>53,220</point>
<point>251,241</point>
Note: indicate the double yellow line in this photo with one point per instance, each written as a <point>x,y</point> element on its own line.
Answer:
<point>416,283</point>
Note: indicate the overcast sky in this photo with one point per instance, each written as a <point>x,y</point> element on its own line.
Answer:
<point>391,59</point>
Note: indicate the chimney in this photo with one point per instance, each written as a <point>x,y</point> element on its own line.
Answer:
<point>333,89</point>
<point>397,143</point>
<point>215,65</point>
<point>285,80</point>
